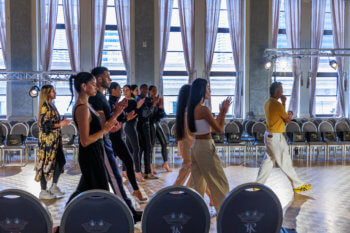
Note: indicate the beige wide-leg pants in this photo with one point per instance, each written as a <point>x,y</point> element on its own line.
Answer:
<point>206,169</point>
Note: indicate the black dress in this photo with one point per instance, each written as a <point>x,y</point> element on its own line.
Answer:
<point>91,160</point>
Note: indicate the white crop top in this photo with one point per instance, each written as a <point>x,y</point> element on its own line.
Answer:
<point>202,127</point>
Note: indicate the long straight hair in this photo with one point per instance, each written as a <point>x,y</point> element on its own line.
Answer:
<point>182,101</point>
<point>44,93</point>
<point>197,94</point>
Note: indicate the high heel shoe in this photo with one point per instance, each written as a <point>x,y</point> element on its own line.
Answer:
<point>166,167</point>
<point>139,177</point>
<point>138,195</point>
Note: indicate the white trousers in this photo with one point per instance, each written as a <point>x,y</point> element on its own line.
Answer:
<point>277,150</point>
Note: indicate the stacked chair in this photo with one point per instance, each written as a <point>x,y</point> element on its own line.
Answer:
<point>258,131</point>
<point>233,132</point>
<point>329,137</point>
<point>342,131</point>
<point>69,134</point>
<point>313,138</point>
<point>16,141</point>
<point>296,139</point>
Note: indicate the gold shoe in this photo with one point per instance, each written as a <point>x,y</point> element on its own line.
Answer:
<point>302,188</point>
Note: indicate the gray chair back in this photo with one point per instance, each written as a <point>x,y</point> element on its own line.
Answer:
<point>232,127</point>
<point>166,130</point>
<point>176,209</point>
<point>22,212</point>
<point>325,126</point>
<point>245,210</point>
<point>240,126</point>
<point>20,128</point>
<point>309,127</point>
<point>292,127</point>
<point>248,127</point>
<point>258,131</point>
<point>342,126</point>
<point>34,130</point>
<point>3,130</point>
<point>97,211</point>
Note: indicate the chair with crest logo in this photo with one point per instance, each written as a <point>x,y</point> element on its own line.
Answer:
<point>176,209</point>
<point>97,211</point>
<point>250,207</point>
<point>233,132</point>
<point>22,212</point>
<point>296,140</point>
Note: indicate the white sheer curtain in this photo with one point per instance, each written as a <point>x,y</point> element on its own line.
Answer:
<point>186,11</point>
<point>122,8</point>
<point>338,11</point>
<point>234,9</point>
<point>3,29</point>
<point>48,21</point>
<point>292,8</point>
<point>98,30</point>
<point>275,20</point>
<point>72,22</point>
<point>317,28</point>
<point>211,30</point>
<point>164,11</point>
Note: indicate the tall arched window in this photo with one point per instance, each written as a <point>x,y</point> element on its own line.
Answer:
<point>111,54</point>
<point>175,74</point>
<point>326,81</point>
<point>222,75</point>
<point>61,62</point>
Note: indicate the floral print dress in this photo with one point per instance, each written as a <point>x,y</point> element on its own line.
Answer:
<point>50,143</point>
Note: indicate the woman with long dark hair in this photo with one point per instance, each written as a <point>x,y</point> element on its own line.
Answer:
<point>51,159</point>
<point>119,146</point>
<point>206,166</point>
<point>134,90</point>
<point>131,132</point>
<point>91,146</point>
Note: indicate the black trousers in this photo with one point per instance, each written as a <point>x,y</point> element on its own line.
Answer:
<point>60,162</point>
<point>121,150</point>
<point>157,132</point>
<point>144,130</point>
<point>132,139</point>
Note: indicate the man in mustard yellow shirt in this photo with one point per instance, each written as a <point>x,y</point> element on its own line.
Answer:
<point>277,149</point>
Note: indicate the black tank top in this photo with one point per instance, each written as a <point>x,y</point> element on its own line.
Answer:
<point>96,121</point>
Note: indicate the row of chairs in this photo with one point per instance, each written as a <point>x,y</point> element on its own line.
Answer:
<point>22,137</point>
<point>172,209</point>
<point>310,136</point>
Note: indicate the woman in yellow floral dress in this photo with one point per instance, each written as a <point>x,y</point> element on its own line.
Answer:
<point>50,157</point>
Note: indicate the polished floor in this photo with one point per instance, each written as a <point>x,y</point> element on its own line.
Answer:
<point>325,208</point>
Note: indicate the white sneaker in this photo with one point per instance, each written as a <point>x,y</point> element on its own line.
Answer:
<point>56,190</point>
<point>46,195</point>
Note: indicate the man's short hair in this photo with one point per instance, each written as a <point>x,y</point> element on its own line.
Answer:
<point>274,87</point>
<point>98,71</point>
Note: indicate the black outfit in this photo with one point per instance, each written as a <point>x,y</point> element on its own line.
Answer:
<point>99,103</point>
<point>157,131</point>
<point>132,137</point>
<point>120,148</point>
<point>91,161</point>
<point>144,129</point>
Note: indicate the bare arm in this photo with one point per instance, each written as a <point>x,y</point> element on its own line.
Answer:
<point>83,117</point>
<point>216,124</point>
